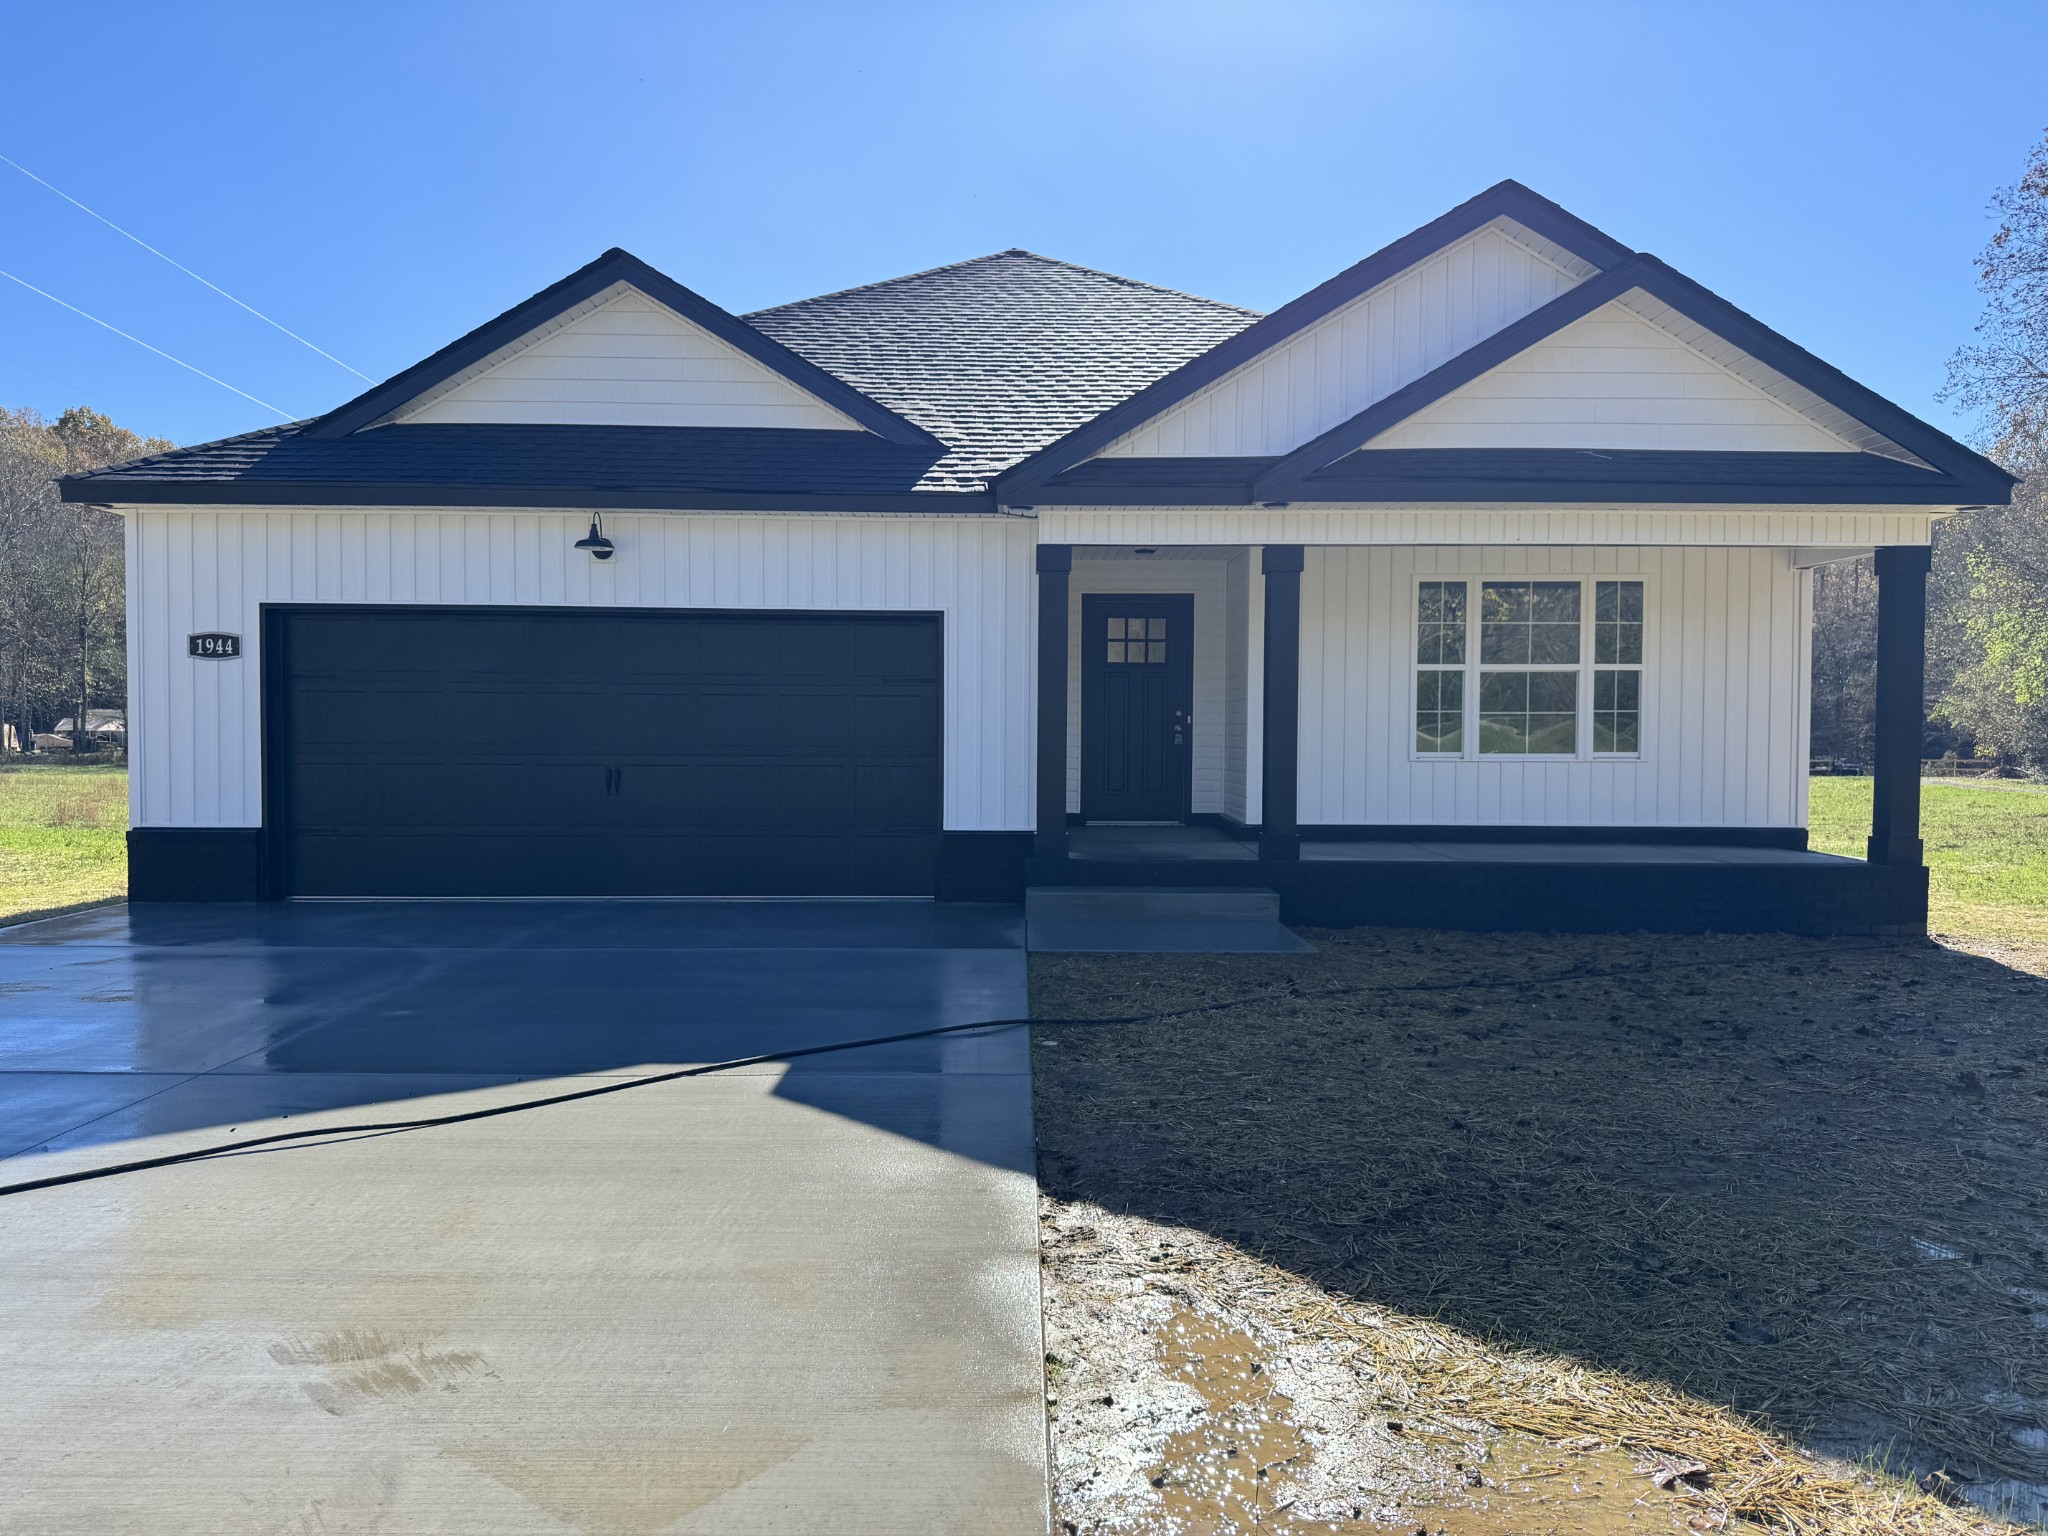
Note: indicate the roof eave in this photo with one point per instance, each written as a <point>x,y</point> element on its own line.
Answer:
<point>333,493</point>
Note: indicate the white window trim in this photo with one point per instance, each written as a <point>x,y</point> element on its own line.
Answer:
<point>1585,668</point>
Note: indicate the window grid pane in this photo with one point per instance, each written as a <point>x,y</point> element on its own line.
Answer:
<point>1617,711</point>
<point>1440,631</point>
<point>1618,622</point>
<point>1439,711</point>
<point>1529,713</point>
<point>1529,623</point>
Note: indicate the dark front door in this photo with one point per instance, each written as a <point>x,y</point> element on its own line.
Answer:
<point>584,752</point>
<point>1137,704</point>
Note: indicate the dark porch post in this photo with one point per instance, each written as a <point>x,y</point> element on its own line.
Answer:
<point>1279,829</point>
<point>1901,703</point>
<point>1055,562</point>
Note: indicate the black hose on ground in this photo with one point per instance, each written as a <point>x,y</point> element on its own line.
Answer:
<point>226,1148</point>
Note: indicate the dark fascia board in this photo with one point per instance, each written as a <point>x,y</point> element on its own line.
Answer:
<point>1285,480</point>
<point>1507,199</point>
<point>1830,383</point>
<point>1296,477</point>
<point>616,266</point>
<point>1940,491</point>
<point>325,493</point>
<point>1534,477</point>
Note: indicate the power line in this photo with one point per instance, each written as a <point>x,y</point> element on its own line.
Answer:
<point>159,351</point>
<point>117,229</point>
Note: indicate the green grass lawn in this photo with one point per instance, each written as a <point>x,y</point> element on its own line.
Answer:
<point>63,837</point>
<point>1987,851</point>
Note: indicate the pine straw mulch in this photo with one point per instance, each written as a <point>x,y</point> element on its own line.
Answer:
<point>1761,1202</point>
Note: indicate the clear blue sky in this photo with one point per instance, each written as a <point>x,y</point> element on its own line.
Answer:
<point>381,177</point>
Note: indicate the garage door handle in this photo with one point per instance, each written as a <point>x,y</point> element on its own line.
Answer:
<point>614,780</point>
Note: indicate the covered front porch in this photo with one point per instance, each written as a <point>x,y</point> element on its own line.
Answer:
<point>1564,855</point>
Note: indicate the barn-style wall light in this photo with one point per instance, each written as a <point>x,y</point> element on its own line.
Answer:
<point>599,546</point>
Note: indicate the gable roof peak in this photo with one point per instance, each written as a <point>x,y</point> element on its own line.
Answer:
<point>583,287</point>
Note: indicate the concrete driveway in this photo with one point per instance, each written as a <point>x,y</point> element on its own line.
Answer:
<point>794,1298</point>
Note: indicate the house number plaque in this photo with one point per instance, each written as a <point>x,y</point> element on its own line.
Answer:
<point>214,647</point>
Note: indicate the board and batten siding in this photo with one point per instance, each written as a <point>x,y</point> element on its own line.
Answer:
<point>1725,695</point>
<point>628,362</point>
<point>1361,352</point>
<point>1204,580</point>
<point>1611,379</point>
<point>195,742</point>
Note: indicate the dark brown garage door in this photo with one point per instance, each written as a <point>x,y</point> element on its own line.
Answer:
<point>522,752</point>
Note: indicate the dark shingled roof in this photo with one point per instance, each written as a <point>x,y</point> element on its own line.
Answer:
<point>995,357</point>
<point>1003,354</point>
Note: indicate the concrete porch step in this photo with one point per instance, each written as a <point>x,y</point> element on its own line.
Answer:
<point>1103,919</point>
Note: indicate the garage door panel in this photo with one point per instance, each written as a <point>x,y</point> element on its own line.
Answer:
<point>349,718</point>
<point>573,752</point>
<point>341,797</point>
<point>754,795</point>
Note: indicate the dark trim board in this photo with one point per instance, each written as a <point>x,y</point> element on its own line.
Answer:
<point>1821,898</point>
<point>1695,837</point>
<point>345,493</point>
<point>195,864</point>
<point>1791,838</point>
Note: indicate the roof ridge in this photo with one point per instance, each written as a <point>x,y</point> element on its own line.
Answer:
<point>975,261</point>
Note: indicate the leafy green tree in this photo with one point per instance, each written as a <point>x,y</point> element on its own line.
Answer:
<point>63,645</point>
<point>1989,657</point>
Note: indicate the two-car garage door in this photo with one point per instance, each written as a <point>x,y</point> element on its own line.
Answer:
<point>522,752</point>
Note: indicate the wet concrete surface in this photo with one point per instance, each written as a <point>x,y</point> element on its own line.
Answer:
<point>788,1298</point>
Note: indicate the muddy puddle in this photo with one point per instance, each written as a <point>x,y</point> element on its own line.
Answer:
<point>1255,1461</point>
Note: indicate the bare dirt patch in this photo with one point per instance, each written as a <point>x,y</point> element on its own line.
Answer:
<point>1697,1230</point>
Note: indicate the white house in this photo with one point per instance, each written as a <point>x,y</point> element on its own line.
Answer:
<point>1471,587</point>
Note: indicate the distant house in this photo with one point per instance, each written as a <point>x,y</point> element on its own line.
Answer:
<point>1470,587</point>
<point>98,722</point>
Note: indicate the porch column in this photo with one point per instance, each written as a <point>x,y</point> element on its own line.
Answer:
<point>1055,565</point>
<point>1901,703</point>
<point>1279,829</point>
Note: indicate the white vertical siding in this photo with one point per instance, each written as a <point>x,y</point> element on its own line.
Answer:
<point>1362,352</point>
<point>1205,581</point>
<point>627,362</point>
<point>1611,379</point>
<point>1724,695</point>
<point>196,740</point>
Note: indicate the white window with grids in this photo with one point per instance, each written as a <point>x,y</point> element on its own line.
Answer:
<point>1529,667</point>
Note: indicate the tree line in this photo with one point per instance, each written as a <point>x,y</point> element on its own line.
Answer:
<point>1987,595</point>
<point>63,629</point>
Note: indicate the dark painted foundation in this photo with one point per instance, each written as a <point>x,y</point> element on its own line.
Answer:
<point>195,864</point>
<point>1495,879</point>
<point>1567,889</point>
<point>227,864</point>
